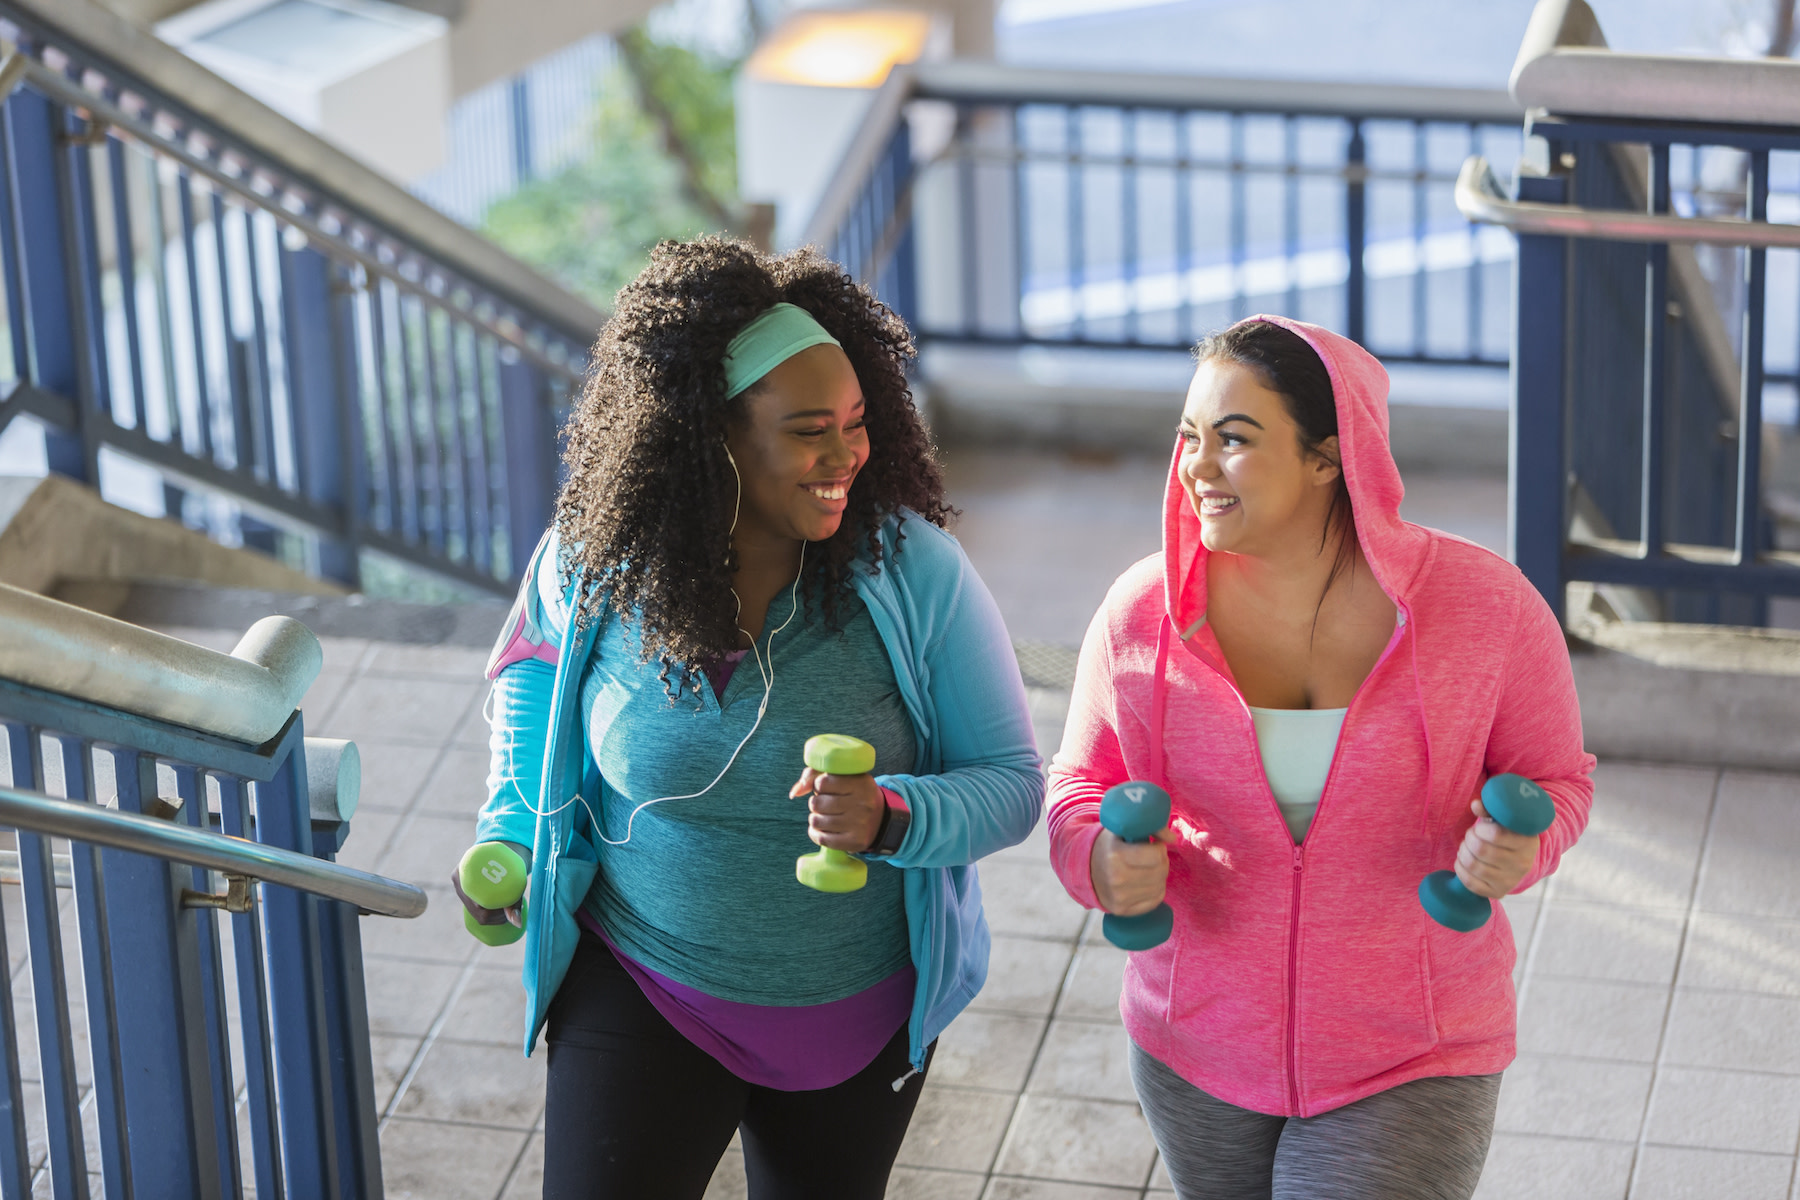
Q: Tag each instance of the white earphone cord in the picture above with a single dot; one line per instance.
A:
(767, 673)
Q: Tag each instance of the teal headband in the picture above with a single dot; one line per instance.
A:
(767, 342)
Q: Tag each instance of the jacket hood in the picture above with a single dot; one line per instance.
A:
(1395, 549)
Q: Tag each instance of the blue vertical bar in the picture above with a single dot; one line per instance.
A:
(469, 408)
(296, 987)
(1184, 225)
(1535, 471)
(530, 444)
(1077, 228)
(15, 1152)
(351, 1062)
(1021, 179)
(396, 418)
(263, 414)
(319, 330)
(1128, 170)
(75, 179)
(421, 392)
(49, 987)
(1421, 229)
(906, 253)
(237, 377)
(1475, 266)
(253, 1011)
(48, 295)
(1290, 215)
(127, 252)
(1749, 473)
(1239, 236)
(1356, 233)
(161, 1028)
(447, 407)
(12, 245)
(518, 105)
(203, 415)
(66, 774)
(966, 222)
(1656, 362)
(190, 787)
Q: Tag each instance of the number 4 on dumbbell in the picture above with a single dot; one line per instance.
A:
(1136, 812)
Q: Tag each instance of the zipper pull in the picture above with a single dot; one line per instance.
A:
(1296, 860)
(901, 1082)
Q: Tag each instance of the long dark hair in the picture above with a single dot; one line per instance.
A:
(1294, 370)
(646, 511)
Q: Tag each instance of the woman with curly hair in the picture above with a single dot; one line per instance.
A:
(748, 551)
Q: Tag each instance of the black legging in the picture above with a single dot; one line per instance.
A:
(635, 1111)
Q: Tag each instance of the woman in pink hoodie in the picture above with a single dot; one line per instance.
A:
(1322, 688)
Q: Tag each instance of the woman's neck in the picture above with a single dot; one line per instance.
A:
(1300, 572)
(766, 565)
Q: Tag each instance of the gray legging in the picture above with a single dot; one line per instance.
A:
(1424, 1140)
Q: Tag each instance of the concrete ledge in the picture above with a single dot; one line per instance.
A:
(54, 529)
(199, 606)
(1688, 693)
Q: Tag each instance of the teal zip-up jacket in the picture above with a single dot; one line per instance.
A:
(978, 784)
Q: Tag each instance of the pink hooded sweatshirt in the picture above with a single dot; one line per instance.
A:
(1303, 978)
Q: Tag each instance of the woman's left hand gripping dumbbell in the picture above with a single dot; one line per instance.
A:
(497, 873)
(844, 812)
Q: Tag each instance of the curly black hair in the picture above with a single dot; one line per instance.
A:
(645, 514)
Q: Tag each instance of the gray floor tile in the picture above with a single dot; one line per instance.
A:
(490, 1009)
(1159, 1177)
(987, 1050)
(1593, 941)
(391, 1055)
(1026, 898)
(956, 1128)
(1734, 1031)
(1084, 1060)
(456, 786)
(411, 710)
(461, 663)
(1672, 1173)
(1592, 1019)
(1524, 1167)
(429, 1160)
(406, 997)
(1725, 1110)
(427, 848)
(1038, 1189)
(1655, 801)
(1092, 990)
(1078, 1141)
(1741, 953)
(527, 1182)
(728, 1182)
(1571, 1097)
(436, 935)
(1755, 842)
(393, 772)
(913, 1183)
(370, 832)
(486, 1085)
(1635, 869)
(1023, 975)
(326, 690)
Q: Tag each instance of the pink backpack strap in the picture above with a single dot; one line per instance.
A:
(524, 635)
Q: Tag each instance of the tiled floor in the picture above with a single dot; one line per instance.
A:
(1659, 974)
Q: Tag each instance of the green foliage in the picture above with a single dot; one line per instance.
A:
(591, 224)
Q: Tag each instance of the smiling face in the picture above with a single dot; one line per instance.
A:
(1255, 490)
(798, 447)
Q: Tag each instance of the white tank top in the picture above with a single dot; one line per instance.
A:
(1297, 745)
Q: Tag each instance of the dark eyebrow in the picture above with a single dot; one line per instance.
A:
(1228, 418)
(820, 412)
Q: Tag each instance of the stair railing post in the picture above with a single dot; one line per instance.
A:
(1536, 474)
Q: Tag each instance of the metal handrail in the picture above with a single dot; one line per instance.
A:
(17, 68)
(1479, 198)
(230, 856)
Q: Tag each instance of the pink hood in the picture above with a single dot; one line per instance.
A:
(1302, 978)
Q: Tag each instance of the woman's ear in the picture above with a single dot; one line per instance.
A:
(1327, 465)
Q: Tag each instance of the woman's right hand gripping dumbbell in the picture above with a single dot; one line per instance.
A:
(1129, 865)
(493, 871)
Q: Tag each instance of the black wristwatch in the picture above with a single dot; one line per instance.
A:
(896, 818)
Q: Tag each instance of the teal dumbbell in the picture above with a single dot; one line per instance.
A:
(1515, 803)
(1136, 812)
(493, 875)
(828, 870)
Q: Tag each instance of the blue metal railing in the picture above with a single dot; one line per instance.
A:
(347, 370)
(164, 979)
(1079, 209)
(1639, 413)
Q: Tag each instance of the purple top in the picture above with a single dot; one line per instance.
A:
(720, 671)
(798, 1049)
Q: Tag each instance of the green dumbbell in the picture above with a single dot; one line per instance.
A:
(829, 870)
(493, 875)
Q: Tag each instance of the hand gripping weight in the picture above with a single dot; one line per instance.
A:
(1136, 812)
(493, 875)
(828, 870)
(1515, 803)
